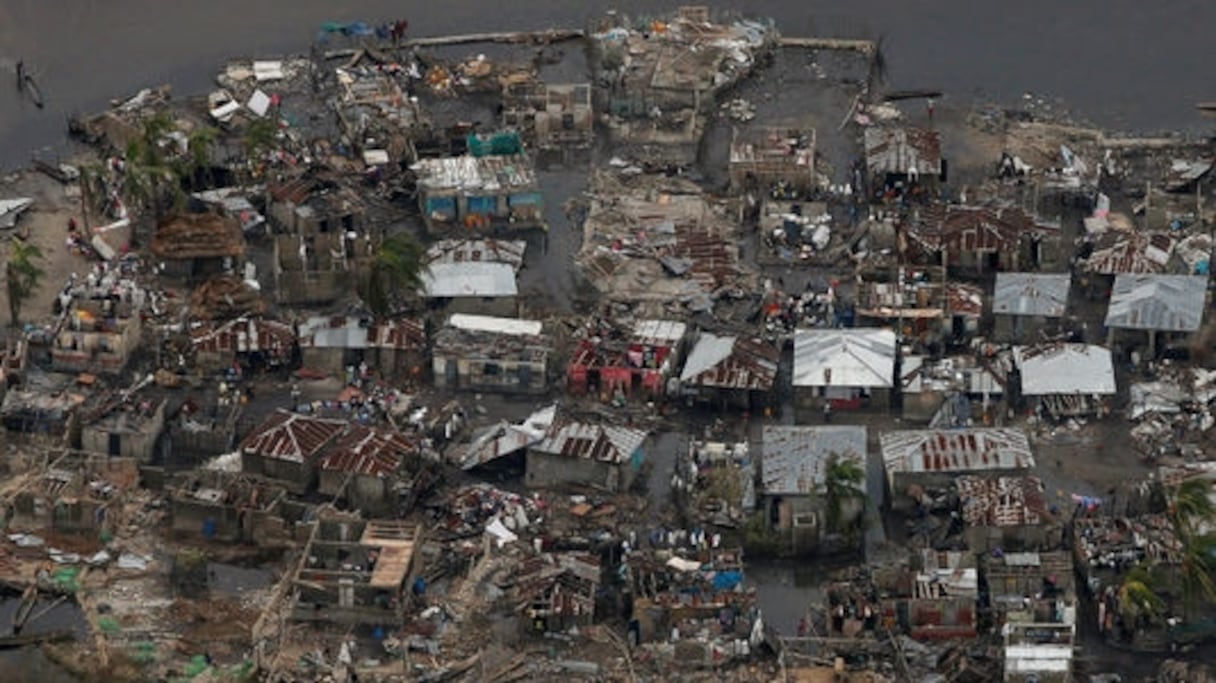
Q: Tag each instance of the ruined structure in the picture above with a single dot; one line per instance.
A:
(491, 354)
(730, 371)
(493, 189)
(594, 455)
(321, 235)
(287, 448)
(794, 464)
(632, 360)
(193, 247)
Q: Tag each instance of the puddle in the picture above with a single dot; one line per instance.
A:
(28, 663)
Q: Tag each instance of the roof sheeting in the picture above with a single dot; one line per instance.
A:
(504, 439)
(291, 436)
(658, 332)
(962, 450)
(470, 174)
(367, 451)
(340, 332)
(794, 459)
(468, 279)
(1044, 294)
(899, 150)
(857, 357)
(609, 444)
(730, 363)
(478, 251)
(1065, 369)
(489, 323)
(1171, 303)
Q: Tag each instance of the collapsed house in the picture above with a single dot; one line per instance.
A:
(942, 392)
(659, 81)
(224, 297)
(286, 448)
(773, 157)
(903, 155)
(367, 468)
(981, 239)
(1025, 306)
(356, 572)
(557, 591)
(917, 460)
(795, 466)
(1161, 307)
(1008, 512)
(397, 348)
(229, 507)
(377, 114)
(941, 602)
(199, 432)
(40, 411)
(1132, 253)
(1033, 595)
(849, 368)
(600, 456)
(728, 371)
(626, 360)
(492, 189)
(491, 354)
(194, 247)
(505, 439)
(98, 336)
(920, 302)
(1067, 380)
(718, 480)
(246, 342)
(321, 237)
(550, 115)
(122, 426)
(658, 241)
(77, 495)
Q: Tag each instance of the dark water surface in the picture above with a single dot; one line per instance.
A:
(1123, 63)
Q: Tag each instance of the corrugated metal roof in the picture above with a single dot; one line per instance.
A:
(897, 150)
(1001, 501)
(957, 450)
(476, 174)
(794, 459)
(337, 332)
(1044, 294)
(597, 442)
(1065, 369)
(488, 323)
(1172, 303)
(731, 363)
(854, 357)
(658, 332)
(1137, 252)
(291, 436)
(504, 439)
(372, 452)
(403, 333)
(472, 278)
(476, 251)
(243, 335)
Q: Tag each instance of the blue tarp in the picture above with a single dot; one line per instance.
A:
(724, 581)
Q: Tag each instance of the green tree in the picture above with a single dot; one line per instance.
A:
(1193, 515)
(1139, 603)
(1191, 508)
(150, 177)
(195, 165)
(22, 275)
(395, 273)
(842, 481)
(260, 136)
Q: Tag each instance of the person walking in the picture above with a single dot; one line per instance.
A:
(827, 411)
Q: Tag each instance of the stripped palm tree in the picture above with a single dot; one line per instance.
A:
(395, 273)
(842, 480)
(22, 275)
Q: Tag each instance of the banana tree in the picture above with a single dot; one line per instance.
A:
(22, 276)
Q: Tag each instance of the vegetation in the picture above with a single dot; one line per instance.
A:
(1139, 603)
(842, 482)
(149, 177)
(394, 274)
(22, 275)
(1193, 515)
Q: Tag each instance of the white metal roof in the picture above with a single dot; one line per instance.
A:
(1065, 369)
(669, 331)
(709, 350)
(1157, 302)
(327, 332)
(1044, 294)
(489, 323)
(476, 174)
(476, 278)
(955, 450)
(854, 357)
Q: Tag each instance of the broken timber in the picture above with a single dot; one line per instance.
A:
(8, 642)
(545, 37)
(868, 47)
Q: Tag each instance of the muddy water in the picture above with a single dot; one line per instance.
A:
(29, 664)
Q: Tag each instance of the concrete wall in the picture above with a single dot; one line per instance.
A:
(296, 477)
(370, 495)
(544, 469)
(190, 517)
(470, 374)
(502, 306)
(140, 446)
(808, 403)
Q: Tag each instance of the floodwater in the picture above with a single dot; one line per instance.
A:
(29, 664)
(1124, 63)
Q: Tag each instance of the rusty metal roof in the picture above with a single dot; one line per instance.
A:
(1137, 253)
(596, 442)
(243, 335)
(731, 363)
(1001, 501)
(401, 334)
(955, 450)
(373, 452)
(296, 191)
(291, 436)
(794, 459)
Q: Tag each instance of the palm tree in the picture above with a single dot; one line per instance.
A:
(1191, 507)
(22, 275)
(1193, 514)
(395, 270)
(1138, 599)
(1198, 570)
(196, 161)
(842, 480)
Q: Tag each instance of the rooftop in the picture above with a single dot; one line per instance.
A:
(1065, 369)
(476, 174)
(494, 325)
(334, 332)
(897, 150)
(1044, 294)
(291, 436)
(731, 363)
(597, 442)
(1001, 501)
(1172, 303)
(198, 235)
(373, 452)
(794, 459)
(853, 357)
(960, 450)
(469, 279)
(475, 251)
(242, 336)
(658, 332)
(1133, 253)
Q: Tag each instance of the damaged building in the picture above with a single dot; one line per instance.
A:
(397, 348)
(1029, 306)
(917, 460)
(773, 157)
(978, 240)
(194, 247)
(491, 191)
(601, 456)
(942, 392)
(718, 482)
(943, 595)
(321, 235)
(286, 448)
(121, 426)
(852, 368)
(75, 495)
(550, 115)
(98, 336)
(369, 469)
(730, 371)
(1066, 380)
(250, 343)
(896, 154)
(557, 591)
(1006, 512)
(356, 572)
(794, 472)
(1159, 308)
(626, 359)
(478, 288)
(228, 507)
(484, 353)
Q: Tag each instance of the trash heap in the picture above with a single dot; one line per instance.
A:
(1173, 411)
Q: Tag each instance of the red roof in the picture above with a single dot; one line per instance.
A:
(291, 436)
(402, 334)
(374, 452)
